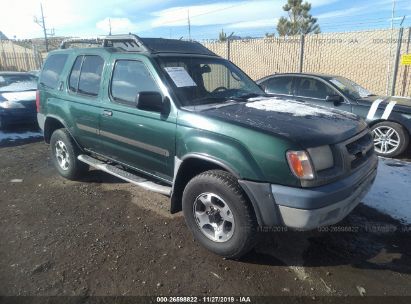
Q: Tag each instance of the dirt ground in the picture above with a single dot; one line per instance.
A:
(100, 236)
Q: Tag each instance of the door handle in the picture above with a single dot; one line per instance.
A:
(107, 113)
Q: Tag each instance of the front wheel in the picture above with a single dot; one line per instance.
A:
(390, 138)
(219, 215)
(64, 152)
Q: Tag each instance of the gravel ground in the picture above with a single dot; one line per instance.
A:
(100, 236)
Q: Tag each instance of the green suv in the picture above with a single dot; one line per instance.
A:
(173, 117)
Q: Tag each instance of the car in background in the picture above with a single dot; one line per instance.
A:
(17, 98)
(388, 117)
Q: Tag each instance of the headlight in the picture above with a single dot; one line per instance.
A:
(300, 164)
(322, 157)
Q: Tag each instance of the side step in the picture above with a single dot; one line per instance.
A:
(134, 179)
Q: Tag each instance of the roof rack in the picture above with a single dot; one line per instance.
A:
(129, 43)
(65, 43)
(133, 43)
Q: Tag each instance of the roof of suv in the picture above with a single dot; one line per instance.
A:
(133, 43)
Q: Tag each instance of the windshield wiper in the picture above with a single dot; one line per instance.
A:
(246, 96)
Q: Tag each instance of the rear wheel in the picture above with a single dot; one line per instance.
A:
(64, 152)
(390, 138)
(219, 215)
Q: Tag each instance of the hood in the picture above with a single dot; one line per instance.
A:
(307, 125)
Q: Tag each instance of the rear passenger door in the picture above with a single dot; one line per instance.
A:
(83, 93)
(315, 91)
(144, 140)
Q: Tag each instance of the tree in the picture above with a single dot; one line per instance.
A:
(222, 36)
(299, 20)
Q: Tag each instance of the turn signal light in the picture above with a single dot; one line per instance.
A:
(300, 164)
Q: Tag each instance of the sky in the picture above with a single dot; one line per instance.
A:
(168, 19)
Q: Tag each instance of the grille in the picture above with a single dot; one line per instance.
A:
(360, 150)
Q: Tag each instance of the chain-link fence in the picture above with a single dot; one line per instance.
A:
(14, 57)
(370, 58)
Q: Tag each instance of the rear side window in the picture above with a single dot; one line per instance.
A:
(52, 69)
(313, 88)
(74, 75)
(129, 78)
(278, 85)
(90, 75)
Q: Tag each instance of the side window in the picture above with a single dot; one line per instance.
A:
(74, 75)
(52, 69)
(278, 85)
(129, 78)
(90, 75)
(215, 76)
(313, 88)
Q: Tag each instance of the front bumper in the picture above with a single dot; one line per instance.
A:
(336, 201)
(310, 208)
(14, 117)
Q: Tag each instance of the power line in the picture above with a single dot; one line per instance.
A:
(205, 13)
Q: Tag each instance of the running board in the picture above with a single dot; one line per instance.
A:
(134, 179)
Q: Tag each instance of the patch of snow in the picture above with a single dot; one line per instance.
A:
(19, 96)
(292, 107)
(391, 192)
(19, 86)
(15, 136)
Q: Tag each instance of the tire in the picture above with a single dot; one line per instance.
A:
(64, 152)
(390, 138)
(232, 210)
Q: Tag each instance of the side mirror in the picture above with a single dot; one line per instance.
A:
(334, 98)
(150, 101)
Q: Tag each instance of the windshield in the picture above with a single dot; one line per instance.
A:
(203, 80)
(17, 83)
(350, 88)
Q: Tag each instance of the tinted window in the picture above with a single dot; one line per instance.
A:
(201, 80)
(74, 75)
(52, 69)
(278, 85)
(90, 75)
(130, 78)
(314, 88)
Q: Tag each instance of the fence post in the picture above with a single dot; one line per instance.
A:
(15, 56)
(302, 41)
(3, 56)
(26, 59)
(36, 61)
(404, 79)
(396, 61)
(228, 49)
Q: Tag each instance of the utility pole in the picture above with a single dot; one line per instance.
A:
(189, 24)
(390, 47)
(42, 23)
(109, 26)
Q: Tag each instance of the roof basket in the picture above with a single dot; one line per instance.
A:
(128, 43)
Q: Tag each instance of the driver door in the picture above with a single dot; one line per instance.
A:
(142, 139)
